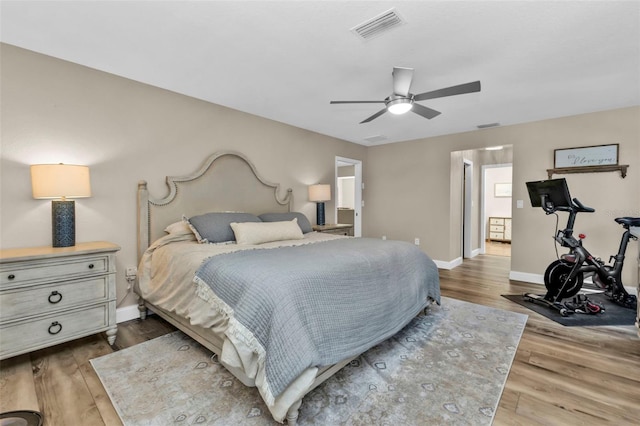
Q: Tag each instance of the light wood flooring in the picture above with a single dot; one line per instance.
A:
(560, 376)
(497, 248)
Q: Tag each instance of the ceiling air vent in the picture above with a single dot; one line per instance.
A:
(376, 138)
(379, 24)
(486, 126)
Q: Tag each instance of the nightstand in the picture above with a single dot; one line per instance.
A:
(335, 228)
(52, 295)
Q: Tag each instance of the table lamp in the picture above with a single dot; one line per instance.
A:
(319, 194)
(59, 182)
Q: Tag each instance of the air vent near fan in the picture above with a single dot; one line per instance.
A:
(488, 125)
(376, 138)
(379, 24)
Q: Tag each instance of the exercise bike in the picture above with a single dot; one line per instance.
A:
(564, 277)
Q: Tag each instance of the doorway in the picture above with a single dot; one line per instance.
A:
(496, 209)
(469, 216)
(348, 184)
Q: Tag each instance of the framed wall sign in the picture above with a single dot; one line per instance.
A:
(502, 190)
(587, 156)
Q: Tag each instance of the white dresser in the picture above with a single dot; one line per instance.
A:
(52, 295)
(500, 229)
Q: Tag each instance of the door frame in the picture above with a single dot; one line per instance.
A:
(467, 204)
(357, 219)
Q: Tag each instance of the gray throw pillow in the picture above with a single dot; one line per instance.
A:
(216, 228)
(303, 222)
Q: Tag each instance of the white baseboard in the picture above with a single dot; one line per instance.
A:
(539, 279)
(533, 278)
(441, 264)
(127, 313)
(475, 252)
(526, 277)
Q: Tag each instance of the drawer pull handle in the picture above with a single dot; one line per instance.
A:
(55, 328)
(55, 297)
(11, 277)
(91, 266)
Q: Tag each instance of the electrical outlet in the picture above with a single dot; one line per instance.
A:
(416, 241)
(384, 237)
(131, 271)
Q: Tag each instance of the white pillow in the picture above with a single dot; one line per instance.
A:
(248, 233)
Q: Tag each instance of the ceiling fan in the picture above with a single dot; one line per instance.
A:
(402, 101)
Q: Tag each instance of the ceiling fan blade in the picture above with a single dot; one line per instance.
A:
(374, 116)
(402, 78)
(356, 102)
(424, 111)
(449, 91)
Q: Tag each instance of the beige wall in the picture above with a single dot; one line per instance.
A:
(55, 111)
(410, 191)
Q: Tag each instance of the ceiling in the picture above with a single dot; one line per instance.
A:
(286, 60)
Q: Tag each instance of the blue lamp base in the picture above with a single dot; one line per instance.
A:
(320, 213)
(63, 223)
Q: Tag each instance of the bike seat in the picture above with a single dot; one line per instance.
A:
(628, 221)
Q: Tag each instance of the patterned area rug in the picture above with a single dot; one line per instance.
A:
(446, 367)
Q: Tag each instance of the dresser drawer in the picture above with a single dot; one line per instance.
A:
(496, 235)
(496, 228)
(50, 270)
(25, 302)
(52, 329)
(496, 221)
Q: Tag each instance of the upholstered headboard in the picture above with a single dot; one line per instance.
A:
(227, 181)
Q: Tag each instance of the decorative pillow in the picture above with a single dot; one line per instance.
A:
(303, 222)
(215, 227)
(178, 228)
(257, 233)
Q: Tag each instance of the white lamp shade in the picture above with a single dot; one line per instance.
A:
(60, 181)
(320, 193)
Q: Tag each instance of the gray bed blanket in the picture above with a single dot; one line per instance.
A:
(317, 304)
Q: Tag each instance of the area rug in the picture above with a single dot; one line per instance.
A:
(446, 367)
(613, 314)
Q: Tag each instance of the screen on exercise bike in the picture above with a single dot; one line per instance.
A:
(556, 190)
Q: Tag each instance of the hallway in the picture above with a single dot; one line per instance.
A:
(496, 248)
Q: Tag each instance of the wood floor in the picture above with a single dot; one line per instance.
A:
(497, 248)
(561, 375)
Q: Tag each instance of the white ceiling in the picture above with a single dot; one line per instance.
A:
(286, 60)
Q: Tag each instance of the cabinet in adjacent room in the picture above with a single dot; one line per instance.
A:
(500, 229)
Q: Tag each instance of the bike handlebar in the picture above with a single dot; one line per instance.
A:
(582, 208)
(575, 207)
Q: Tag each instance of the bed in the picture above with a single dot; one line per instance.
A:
(223, 259)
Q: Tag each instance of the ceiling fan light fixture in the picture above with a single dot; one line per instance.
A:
(399, 106)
